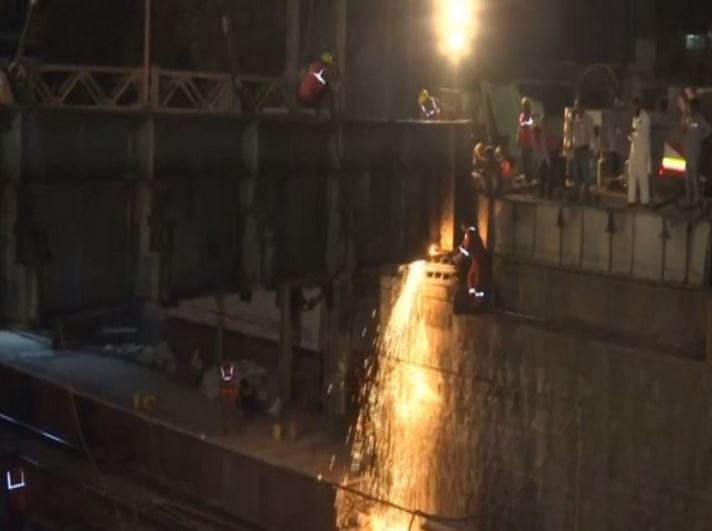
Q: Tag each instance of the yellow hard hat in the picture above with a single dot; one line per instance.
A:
(423, 97)
(479, 151)
(526, 102)
(327, 58)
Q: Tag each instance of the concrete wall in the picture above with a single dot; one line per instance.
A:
(557, 430)
(672, 319)
(640, 277)
(156, 206)
(636, 456)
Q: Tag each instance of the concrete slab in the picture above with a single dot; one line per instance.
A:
(504, 227)
(547, 239)
(676, 250)
(648, 246)
(113, 380)
(524, 228)
(622, 243)
(571, 236)
(698, 267)
(596, 240)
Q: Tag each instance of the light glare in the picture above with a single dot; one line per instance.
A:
(455, 26)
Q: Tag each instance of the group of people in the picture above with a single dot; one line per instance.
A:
(643, 150)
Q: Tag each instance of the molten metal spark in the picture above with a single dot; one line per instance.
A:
(395, 435)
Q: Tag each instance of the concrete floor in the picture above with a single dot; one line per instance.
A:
(94, 374)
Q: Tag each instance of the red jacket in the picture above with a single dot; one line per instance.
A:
(314, 83)
(525, 135)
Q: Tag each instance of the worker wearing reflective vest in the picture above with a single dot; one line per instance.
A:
(16, 498)
(430, 107)
(229, 388)
(473, 250)
(315, 84)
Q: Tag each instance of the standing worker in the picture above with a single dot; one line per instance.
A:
(473, 249)
(16, 497)
(582, 138)
(228, 396)
(639, 163)
(317, 84)
(695, 130)
(525, 139)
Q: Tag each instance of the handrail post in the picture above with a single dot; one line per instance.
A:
(155, 94)
(146, 51)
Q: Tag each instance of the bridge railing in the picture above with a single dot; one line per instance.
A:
(117, 88)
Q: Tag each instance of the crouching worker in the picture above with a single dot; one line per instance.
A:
(473, 262)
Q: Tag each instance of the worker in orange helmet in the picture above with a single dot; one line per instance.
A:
(472, 250)
(229, 389)
(318, 83)
(16, 506)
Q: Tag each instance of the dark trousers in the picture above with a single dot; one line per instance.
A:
(583, 157)
(527, 162)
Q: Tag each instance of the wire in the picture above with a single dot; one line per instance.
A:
(19, 54)
(90, 455)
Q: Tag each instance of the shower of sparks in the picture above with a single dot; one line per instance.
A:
(395, 438)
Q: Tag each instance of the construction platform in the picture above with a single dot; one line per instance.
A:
(281, 484)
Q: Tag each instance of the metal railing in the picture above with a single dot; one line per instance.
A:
(118, 88)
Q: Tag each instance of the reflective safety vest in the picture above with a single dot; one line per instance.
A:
(16, 487)
(314, 83)
(15, 479)
(228, 385)
(431, 109)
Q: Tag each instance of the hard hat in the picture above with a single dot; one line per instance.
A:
(423, 97)
(526, 102)
(327, 58)
(479, 151)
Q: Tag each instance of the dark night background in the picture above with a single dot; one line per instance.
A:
(187, 33)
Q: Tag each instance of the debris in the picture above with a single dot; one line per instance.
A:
(145, 356)
(164, 359)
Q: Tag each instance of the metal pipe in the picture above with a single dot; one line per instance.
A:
(146, 50)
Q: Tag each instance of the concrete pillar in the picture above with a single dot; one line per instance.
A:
(292, 67)
(147, 284)
(708, 339)
(286, 352)
(341, 9)
(18, 284)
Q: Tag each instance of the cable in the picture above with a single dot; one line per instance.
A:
(23, 36)
(90, 456)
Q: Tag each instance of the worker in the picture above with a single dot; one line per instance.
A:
(541, 155)
(695, 130)
(580, 132)
(16, 496)
(639, 163)
(525, 139)
(430, 107)
(318, 83)
(229, 388)
(473, 251)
